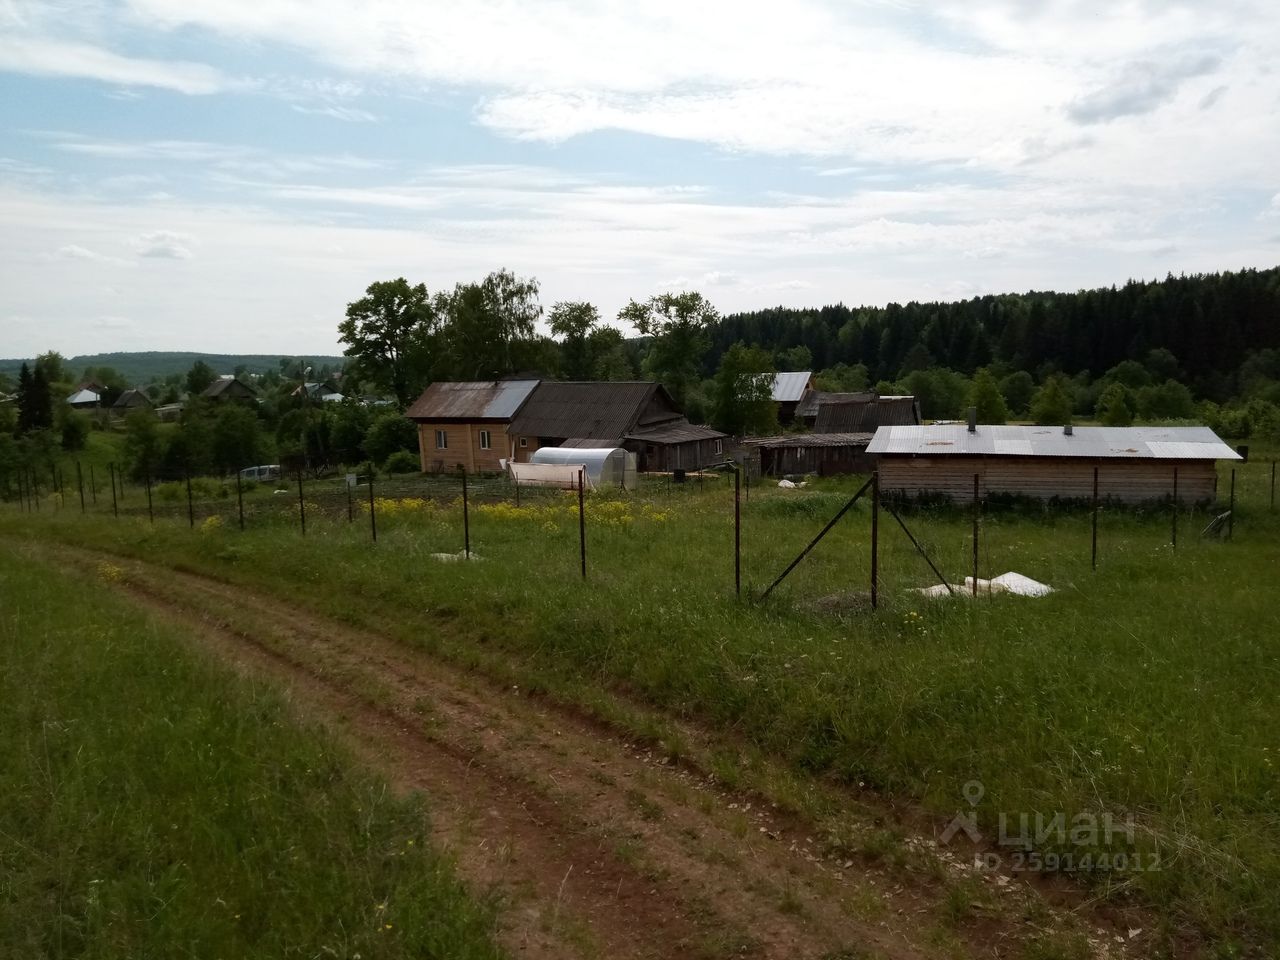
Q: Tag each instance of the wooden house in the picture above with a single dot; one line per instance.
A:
(1134, 464)
(131, 400)
(230, 390)
(464, 424)
(638, 416)
(789, 391)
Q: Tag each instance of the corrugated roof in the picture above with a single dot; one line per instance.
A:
(606, 411)
(866, 416)
(789, 440)
(471, 400)
(789, 387)
(83, 396)
(680, 431)
(1144, 443)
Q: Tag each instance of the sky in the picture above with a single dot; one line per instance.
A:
(226, 175)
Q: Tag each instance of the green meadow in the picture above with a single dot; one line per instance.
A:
(1144, 691)
(155, 805)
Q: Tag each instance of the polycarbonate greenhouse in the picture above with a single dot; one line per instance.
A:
(605, 466)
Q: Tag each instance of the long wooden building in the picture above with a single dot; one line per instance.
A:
(1134, 464)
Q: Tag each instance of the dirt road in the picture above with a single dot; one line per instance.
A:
(595, 846)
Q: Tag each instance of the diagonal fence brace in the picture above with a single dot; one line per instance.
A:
(919, 549)
(814, 542)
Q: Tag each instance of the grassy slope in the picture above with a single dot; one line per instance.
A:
(1148, 687)
(156, 806)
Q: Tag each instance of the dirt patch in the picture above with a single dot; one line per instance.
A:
(596, 846)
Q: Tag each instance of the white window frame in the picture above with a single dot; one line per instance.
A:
(442, 439)
(486, 440)
(719, 447)
(524, 441)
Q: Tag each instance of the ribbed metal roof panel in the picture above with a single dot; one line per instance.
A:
(1145, 443)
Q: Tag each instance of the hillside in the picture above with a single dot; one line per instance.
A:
(143, 367)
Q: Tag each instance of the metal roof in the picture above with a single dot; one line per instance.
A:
(1143, 443)
(789, 387)
(471, 400)
(603, 410)
(83, 396)
(866, 416)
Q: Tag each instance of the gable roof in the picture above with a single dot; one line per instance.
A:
(231, 386)
(866, 416)
(816, 398)
(471, 400)
(790, 387)
(132, 398)
(84, 396)
(1140, 443)
(604, 410)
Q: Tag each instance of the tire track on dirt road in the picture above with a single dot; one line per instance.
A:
(594, 846)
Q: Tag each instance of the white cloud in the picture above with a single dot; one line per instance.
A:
(164, 245)
(73, 251)
(59, 58)
(338, 112)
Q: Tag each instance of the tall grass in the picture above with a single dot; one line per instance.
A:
(1145, 689)
(155, 806)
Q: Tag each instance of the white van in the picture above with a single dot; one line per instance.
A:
(270, 471)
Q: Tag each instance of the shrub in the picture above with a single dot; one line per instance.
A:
(402, 461)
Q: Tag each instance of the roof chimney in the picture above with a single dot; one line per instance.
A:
(973, 419)
(1066, 429)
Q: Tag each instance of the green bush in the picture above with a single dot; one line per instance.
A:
(402, 461)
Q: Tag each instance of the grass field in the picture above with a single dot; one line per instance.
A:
(1144, 690)
(157, 806)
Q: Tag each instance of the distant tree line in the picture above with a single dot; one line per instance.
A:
(1203, 346)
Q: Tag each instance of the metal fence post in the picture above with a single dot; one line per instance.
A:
(1174, 534)
(466, 518)
(151, 515)
(737, 531)
(875, 538)
(240, 500)
(373, 513)
(80, 484)
(582, 525)
(191, 509)
(1273, 485)
(975, 534)
(302, 506)
(1094, 560)
(351, 513)
(115, 507)
(1231, 517)
(33, 486)
(93, 485)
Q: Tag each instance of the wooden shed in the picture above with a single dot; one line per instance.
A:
(1135, 464)
(821, 453)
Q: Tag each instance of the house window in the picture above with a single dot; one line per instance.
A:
(442, 440)
(719, 448)
(484, 440)
(524, 441)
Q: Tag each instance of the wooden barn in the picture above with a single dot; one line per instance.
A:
(1134, 464)
(844, 426)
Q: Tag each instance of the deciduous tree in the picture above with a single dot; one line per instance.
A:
(390, 334)
(743, 392)
(679, 325)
